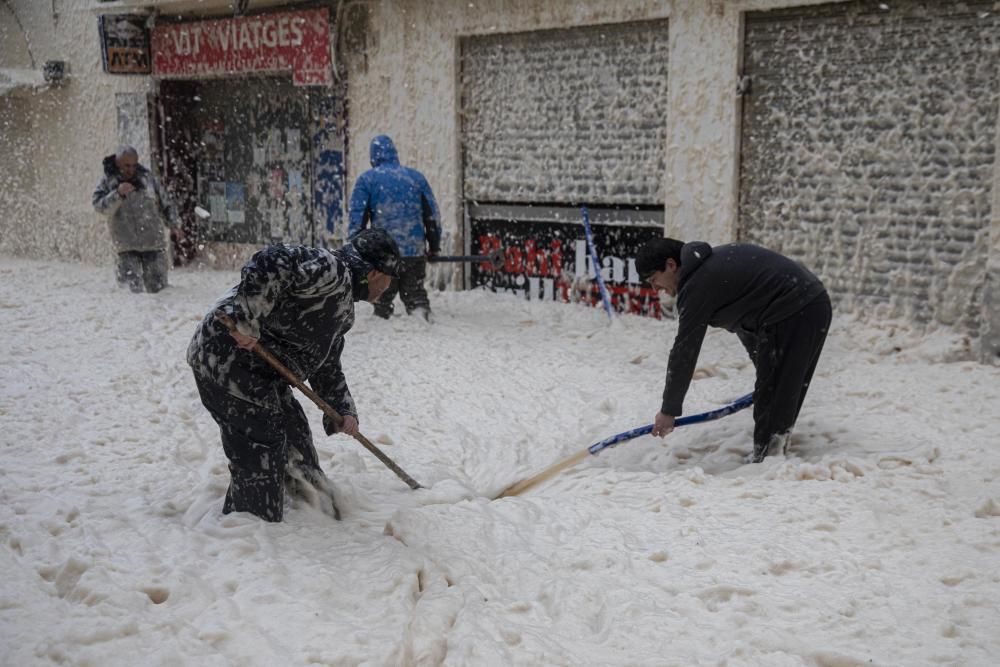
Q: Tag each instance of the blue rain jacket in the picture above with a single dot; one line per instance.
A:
(398, 199)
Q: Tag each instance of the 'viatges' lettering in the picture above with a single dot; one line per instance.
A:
(244, 35)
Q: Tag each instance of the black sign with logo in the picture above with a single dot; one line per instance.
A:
(124, 44)
(546, 255)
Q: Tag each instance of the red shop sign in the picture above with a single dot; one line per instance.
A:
(296, 41)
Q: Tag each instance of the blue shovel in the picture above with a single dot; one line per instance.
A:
(737, 405)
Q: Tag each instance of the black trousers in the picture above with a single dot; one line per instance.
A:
(785, 356)
(257, 431)
(409, 286)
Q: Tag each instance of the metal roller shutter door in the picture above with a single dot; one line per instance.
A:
(564, 116)
(868, 149)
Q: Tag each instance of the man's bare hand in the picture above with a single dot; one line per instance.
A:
(125, 188)
(349, 426)
(242, 340)
(662, 424)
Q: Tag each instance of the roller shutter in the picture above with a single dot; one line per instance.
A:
(868, 147)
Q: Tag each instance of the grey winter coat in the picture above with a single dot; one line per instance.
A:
(299, 303)
(137, 220)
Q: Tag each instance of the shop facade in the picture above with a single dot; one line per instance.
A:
(250, 128)
(859, 137)
(242, 117)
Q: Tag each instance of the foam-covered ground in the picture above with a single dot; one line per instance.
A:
(876, 541)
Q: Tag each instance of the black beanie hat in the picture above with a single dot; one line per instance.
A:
(654, 255)
(378, 249)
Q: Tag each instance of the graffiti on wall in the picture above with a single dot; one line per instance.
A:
(328, 168)
(549, 261)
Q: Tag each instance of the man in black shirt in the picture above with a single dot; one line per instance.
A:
(779, 310)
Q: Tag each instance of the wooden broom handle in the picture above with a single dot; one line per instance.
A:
(337, 418)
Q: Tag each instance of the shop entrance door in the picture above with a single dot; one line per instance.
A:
(262, 157)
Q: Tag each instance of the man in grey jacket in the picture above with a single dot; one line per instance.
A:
(777, 308)
(137, 209)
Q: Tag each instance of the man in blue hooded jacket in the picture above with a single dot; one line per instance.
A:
(399, 200)
(778, 309)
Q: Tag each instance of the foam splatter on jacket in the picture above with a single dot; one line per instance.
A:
(398, 199)
(299, 303)
(136, 221)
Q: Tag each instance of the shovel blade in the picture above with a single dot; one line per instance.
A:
(548, 473)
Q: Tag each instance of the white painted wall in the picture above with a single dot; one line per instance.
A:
(15, 51)
(702, 143)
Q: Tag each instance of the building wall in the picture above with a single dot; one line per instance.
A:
(403, 78)
(402, 73)
(15, 51)
(401, 58)
(59, 136)
(409, 63)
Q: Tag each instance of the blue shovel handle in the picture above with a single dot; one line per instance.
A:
(735, 406)
(597, 264)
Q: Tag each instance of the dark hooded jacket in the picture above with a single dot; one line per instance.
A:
(136, 221)
(299, 303)
(398, 199)
(739, 287)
